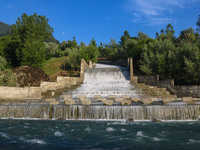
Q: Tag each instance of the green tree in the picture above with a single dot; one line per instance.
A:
(28, 35)
(124, 38)
(7, 77)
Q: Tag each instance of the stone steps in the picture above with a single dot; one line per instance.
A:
(154, 91)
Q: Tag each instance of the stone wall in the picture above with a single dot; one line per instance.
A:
(179, 90)
(187, 90)
(24, 93)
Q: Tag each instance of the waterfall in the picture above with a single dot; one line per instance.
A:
(168, 112)
(105, 80)
(183, 112)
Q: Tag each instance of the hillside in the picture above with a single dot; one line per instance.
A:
(5, 29)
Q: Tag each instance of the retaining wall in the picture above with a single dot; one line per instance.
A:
(24, 93)
(179, 90)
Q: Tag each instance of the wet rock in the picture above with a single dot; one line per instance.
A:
(108, 102)
(86, 102)
(70, 102)
(130, 120)
(126, 102)
(156, 120)
(61, 119)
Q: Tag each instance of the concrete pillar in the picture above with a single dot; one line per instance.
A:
(128, 60)
(131, 69)
(82, 70)
(90, 64)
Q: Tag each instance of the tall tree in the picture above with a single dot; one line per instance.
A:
(29, 34)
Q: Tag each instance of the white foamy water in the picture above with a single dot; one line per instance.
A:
(58, 133)
(109, 129)
(140, 133)
(123, 130)
(105, 80)
(88, 129)
(36, 141)
(156, 139)
(4, 135)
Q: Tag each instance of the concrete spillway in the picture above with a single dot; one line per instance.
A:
(105, 80)
(182, 112)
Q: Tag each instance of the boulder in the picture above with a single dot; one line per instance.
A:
(167, 100)
(108, 102)
(66, 97)
(126, 102)
(97, 96)
(54, 102)
(186, 99)
(135, 99)
(112, 96)
(130, 120)
(86, 102)
(118, 99)
(101, 99)
(50, 99)
(61, 119)
(125, 96)
(156, 120)
(69, 102)
(147, 101)
(81, 97)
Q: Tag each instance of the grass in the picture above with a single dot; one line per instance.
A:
(53, 65)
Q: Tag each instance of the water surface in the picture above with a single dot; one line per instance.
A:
(54, 134)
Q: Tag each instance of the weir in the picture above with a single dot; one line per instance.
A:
(182, 112)
(102, 80)
(105, 80)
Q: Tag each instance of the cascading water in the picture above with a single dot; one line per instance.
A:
(105, 80)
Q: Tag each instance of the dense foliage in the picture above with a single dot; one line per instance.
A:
(5, 29)
(7, 77)
(166, 55)
(31, 42)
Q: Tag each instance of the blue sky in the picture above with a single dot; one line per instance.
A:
(105, 19)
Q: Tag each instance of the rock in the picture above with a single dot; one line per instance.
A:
(54, 102)
(101, 99)
(112, 96)
(135, 99)
(66, 97)
(118, 99)
(61, 119)
(147, 101)
(69, 102)
(81, 97)
(97, 96)
(186, 99)
(125, 96)
(156, 120)
(126, 102)
(86, 102)
(108, 102)
(130, 120)
(167, 100)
